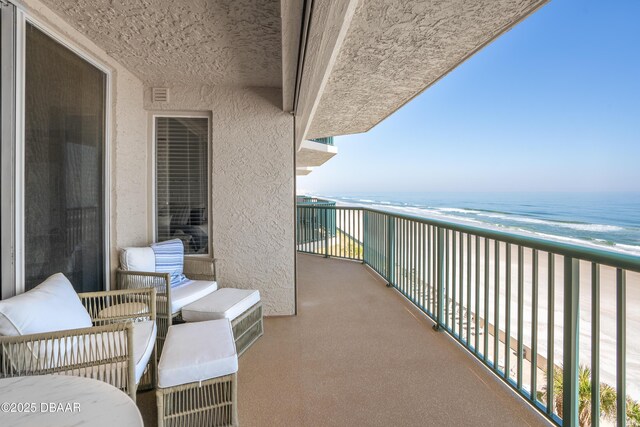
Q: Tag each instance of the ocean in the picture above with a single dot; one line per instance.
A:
(606, 220)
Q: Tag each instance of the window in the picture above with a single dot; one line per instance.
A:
(182, 202)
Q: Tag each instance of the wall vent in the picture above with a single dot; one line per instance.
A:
(160, 94)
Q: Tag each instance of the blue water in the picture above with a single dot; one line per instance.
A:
(608, 220)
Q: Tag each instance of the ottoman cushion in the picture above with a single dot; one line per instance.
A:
(224, 303)
(196, 352)
(190, 291)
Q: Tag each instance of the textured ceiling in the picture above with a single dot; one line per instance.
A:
(221, 42)
(394, 49)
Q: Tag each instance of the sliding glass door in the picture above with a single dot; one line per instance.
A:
(59, 165)
(64, 156)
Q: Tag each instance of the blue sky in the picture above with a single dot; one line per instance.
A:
(552, 105)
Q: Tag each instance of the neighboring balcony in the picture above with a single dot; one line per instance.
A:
(314, 153)
(326, 141)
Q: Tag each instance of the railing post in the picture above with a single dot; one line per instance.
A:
(390, 245)
(570, 342)
(440, 271)
(621, 347)
(364, 236)
(326, 232)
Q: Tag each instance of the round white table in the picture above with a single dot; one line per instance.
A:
(62, 400)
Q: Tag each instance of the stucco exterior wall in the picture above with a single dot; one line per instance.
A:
(128, 143)
(252, 172)
(252, 181)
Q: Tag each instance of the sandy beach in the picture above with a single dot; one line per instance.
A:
(607, 313)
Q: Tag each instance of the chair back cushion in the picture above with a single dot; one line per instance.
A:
(51, 306)
(170, 259)
(138, 259)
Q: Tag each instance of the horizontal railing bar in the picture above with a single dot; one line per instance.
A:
(313, 204)
(584, 253)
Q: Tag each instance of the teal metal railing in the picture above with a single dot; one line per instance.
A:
(314, 227)
(327, 141)
(512, 301)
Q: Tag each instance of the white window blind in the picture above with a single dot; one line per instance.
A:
(182, 208)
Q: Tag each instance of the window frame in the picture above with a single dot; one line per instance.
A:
(23, 19)
(153, 208)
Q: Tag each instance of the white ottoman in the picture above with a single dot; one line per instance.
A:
(197, 375)
(241, 306)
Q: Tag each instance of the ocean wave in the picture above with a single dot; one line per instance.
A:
(578, 226)
(459, 210)
(431, 213)
(571, 240)
(413, 209)
(596, 243)
(578, 233)
(598, 228)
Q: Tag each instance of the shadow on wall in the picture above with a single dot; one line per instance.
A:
(270, 94)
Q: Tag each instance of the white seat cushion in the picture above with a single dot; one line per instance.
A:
(128, 309)
(190, 291)
(226, 303)
(144, 339)
(195, 352)
(138, 259)
(93, 349)
(53, 305)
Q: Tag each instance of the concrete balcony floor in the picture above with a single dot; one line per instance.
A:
(359, 354)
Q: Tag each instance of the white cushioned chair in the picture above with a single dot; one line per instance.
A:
(138, 270)
(53, 330)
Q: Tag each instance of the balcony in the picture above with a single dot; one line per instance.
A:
(304, 200)
(326, 141)
(514, 302)
(358, 353)
(268, 78)
(314, 153)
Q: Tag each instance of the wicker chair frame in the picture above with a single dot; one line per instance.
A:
(195, 268)
(103, 351)
(211, 402)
